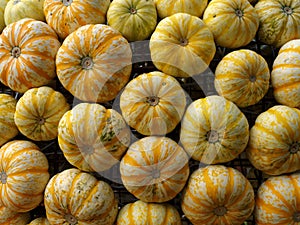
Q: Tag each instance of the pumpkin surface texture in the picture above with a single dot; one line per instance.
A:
(40, 221)
(2, 8)
(10, 217)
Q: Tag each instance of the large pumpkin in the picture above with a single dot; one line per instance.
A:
(75, 197)
(275, 141)
(243, 77)
(94, 63)
(27, 54)
(38, 112)
(279, 21)
(182, 45)
(285, 75)
(234, 23)
(154, 169)
(153, 103)
(218, 195)
(214, 130)
(23, 175)
(10, 217)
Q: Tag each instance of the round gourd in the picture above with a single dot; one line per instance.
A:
(243, 77)
(66, 16)
(8, 128)
(75, 197)
(27, 54)
(154, 169)
(94, 63)
(92, 137)
(10, 217)
(214, 130)
(23, 175)
(3, 4)
(182, 45)
(134, 19)
(38, 112)
(277, 200)
(16, 10)
(153, 103)
(40, 221)
(143, 213)
(234, 23)
(275, 141)
(285, 74)
(217, 194)
(279, 21)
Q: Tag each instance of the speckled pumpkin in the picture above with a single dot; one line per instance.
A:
(10, 217)
(40, 221)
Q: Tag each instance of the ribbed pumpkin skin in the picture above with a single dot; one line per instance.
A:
(154, 169)
(94, 63)
(142, 213)
(8, 128)
(38, 112)
(40, 221)
(188, 45)
(218, 195)
(274, 141)
(3, 4)
(279, 21)
(9, 217)
(75, 197)
(134, 19)
(24, 175)
(243, 77)
(27, 54)
(285, 75)
(153, 103)
(92, 137)
(65, 16)
(277, 201)
(214, 130)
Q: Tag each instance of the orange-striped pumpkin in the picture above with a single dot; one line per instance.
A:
(10, 217)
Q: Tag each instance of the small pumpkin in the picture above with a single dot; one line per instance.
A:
(40, 221)
(10, 217)
(76, 197)
(217, 194)
(3, 4)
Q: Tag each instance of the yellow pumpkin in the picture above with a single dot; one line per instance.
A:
(243, 77)
(182, 45)
(10, 217)
(234, 23)
(75, 197)
(94, 63)
(40, 221)
(3, 4)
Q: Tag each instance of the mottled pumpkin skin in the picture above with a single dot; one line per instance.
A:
(23, 175)
(154, 169)
(218, 195)
(214, 130)
(10, 217)
(27, 54)
(76, 197)
(94, 63)
(275, 141)
(3, 4)
(40, 221)
(143, 213)
(277, 200)
(243, 77)
(188, 45)
(285, 75)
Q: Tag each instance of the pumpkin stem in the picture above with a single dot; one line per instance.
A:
(16, 2)
(87, 63)
(133, 10)
(155, 173)
(212, 136)
(152, 100)
(71, 219)
(296, 217)
(239, 13)
(3, 177)
(67, 2)
(288, 10)
(41, 121)
(184, 42)
(220, 211)
(252, 78)
(294, 148)
(16, 52)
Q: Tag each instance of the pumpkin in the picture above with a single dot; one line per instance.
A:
(3, 4)
(277, 200)
(154, 169)
(143, 213)
(285, 74)
(23, 175)
(167, 8)
(153, 103)
(9, 217)
(182, 45)
(27, 54)
(134, 19)
(243, 77)
(279, 21)
(76, 197)
(38, 112)
(214, 130)
(66, 16)
(16, 10)
(92, 137)
(217, 194)
(94, 63)
(8, 127)
(275, 141)
(40, 221)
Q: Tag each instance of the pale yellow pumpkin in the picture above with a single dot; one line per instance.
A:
(2, 8)
(10, 217)
(40, 221)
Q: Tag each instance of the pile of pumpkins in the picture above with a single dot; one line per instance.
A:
(85, 47)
